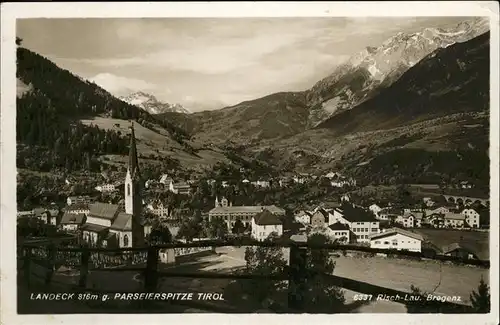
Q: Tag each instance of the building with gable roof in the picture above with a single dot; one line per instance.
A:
(264, 224)
(229, 213)
(397, 238)
(119, 225)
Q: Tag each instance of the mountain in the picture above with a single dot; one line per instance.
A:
(431, 124)
(150, 104)
(270, 117)
(449, 80)
(376, 68)
(362, 77)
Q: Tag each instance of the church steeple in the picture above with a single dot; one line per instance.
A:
(133, 193)
(133, 162)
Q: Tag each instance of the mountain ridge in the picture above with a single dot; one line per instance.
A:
(151, 104)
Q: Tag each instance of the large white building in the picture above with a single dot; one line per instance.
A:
(471, 217)
(105, 188)
(396, 238)
(230, 213)
(266, 223)
(362, 223)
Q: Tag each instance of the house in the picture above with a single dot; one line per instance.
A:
(71, 221)
(428, 202)
(165, 179)
(48, 216)
(78, 208)
(389, 214)
(342, 181)
(410, 219)
(180, 188)
(361, 222)
(106, 188)
(304, 217)
(454, 220)
(332, 175)
(158, 209)
(225, 184)
(465, 184)
(320, 218)
(245, 181)
(83, 199)
(439, 210)
(458, 250)
(396, 238)
(340, 232)
(436, 220)
(264, 224)
(471, 217)
(261, 183)
(231, 213)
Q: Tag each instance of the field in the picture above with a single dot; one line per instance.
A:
(477, 241)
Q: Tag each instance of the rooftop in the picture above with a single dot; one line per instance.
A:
(338, 226)
(266, 217)
(122, 222)
(400, 231)
(69, 218)
(93, 227)
(103, 210)
(247, 209)
(354, 214)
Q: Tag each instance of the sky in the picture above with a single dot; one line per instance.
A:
(209, 63)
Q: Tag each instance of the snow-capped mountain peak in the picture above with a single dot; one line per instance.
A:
(374, 68)
(151, 104)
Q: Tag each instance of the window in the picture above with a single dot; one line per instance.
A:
(366, 229)
(377, 242)
(128, 189)
(395, 242)
(386, 243)
(125, 240)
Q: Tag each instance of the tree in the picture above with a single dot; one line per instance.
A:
(238, 227)
(216, 228)
(160, 235)
(263, 261)
(321, 297)
(481, 299)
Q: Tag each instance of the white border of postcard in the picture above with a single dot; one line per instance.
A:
(12, 11)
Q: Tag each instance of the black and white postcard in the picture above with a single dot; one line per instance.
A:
(327, 162)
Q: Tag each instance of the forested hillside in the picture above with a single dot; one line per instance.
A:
(49, 133)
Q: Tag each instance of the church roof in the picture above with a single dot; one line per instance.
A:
(122, 222)
(103, 210)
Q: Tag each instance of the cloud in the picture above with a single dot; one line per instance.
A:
(121, 86)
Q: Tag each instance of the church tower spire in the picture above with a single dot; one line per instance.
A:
(133, 193)
(133, 162)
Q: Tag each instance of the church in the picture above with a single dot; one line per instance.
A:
(119, 225)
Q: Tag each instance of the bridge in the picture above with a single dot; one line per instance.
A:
(466, 200)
